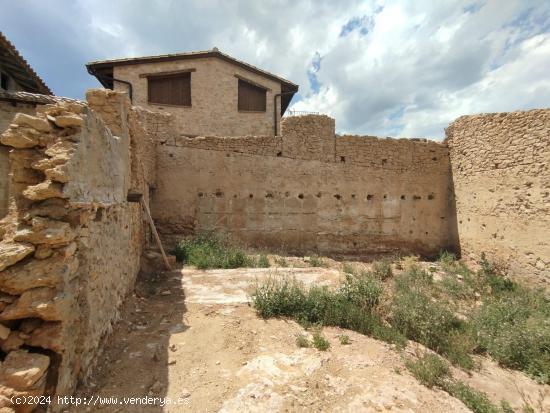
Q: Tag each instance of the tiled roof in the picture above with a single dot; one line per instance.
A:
(20, 69)
(189, 55)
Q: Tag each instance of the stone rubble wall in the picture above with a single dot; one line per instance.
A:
(71, 244)
(501, 174)
(7, 111)
(308, 190)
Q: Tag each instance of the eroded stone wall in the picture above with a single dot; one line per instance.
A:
(71, 245)
(308, 190)
(7, 112)
(501, 174)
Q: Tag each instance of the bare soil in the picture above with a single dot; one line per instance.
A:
(193, 337)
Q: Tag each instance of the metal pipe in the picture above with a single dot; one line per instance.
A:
(130, 87)
(275, 108)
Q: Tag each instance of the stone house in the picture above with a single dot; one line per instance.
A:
(209, 93)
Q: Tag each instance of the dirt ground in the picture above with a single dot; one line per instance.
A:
(192, 338)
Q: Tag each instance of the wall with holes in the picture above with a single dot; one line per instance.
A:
(501, 174)
(308, 190)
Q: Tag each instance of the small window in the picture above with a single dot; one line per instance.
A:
(251, 97)
(4, 81)
(170, 89)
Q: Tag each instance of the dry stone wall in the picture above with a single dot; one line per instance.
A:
(7, 111)
(308, 190)
(501, 174)
(71, 245)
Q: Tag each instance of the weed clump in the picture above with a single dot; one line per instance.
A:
(432, 371)
(320, 342)
(211, 251)
(302, 341)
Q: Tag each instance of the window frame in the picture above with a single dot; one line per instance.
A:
(151, 77)
(254, 85)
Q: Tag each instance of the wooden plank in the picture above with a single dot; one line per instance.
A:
(155, 233)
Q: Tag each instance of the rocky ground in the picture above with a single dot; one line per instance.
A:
(192, 336)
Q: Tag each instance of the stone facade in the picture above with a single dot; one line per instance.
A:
(501, 175)
(308, 191)
(214, 89)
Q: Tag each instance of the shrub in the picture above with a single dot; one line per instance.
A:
(344, 339)
(514, 328)
(262, 261)
(382, 269)
(475, 400)
(316, 261)
(430, 370)
(418, 317)
(210, 251)
(320, 342)
(351, 306)
(302, 341)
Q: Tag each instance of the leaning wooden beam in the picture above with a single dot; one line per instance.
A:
(136, 197)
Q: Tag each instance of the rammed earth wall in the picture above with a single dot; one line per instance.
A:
(308, 190)
(501, 174)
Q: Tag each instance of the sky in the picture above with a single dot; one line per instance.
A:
(399, 68)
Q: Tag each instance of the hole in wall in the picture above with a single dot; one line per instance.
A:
(495, 165)
(318, 195)
(431, 196)
(219, 194)
(269, 195)
(369, 197)
(410, 231)
(98, 215)
(301, 196)
(227, 155)
(287, 194)
(402, 196)
(384, 161)
(354, 244)
(426, 232)
(434, 158)
(342, 159)
(279, 154)
(353, 196)
(338, 196)
(251, 195)
(235, 196)
(385, 196)
(171, 155)
(417, 197)
(200, 194)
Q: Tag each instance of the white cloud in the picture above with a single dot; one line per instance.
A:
(386, 67)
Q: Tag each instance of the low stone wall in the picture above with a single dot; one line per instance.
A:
(501, 174)
(308, 190)
(71, 244)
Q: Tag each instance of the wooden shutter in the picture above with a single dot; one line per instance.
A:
(251, 97)
(170, 89)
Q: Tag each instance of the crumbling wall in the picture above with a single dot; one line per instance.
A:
(71, 245)
(501, 173)
(308, 191)
(7, 112)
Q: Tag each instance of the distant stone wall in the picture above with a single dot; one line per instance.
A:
(501, 174)
(71, 245)
(308, 190)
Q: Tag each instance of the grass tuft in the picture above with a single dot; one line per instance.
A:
(302, 341)
(320, 342)
(344, 339)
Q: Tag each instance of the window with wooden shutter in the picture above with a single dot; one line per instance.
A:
(252, 98)
(170, 89)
